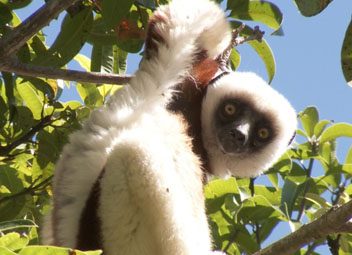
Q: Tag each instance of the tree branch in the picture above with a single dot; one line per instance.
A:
(13, 41)
(345, 228)
(331, 222)
(15, 66)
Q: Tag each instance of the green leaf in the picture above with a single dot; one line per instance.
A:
(348, 159)
(90, 95)
(267, 227)
(218, 188)
(99, 35)
(15, 20)
(114, 10)
(283, 165)
(346, 55)
(9, 93)
(290, 192)
(320, 127)
(13, 241)
(14, 224)
(5, 251)
(38, 45)
(309, 118)
(216, 192)
(274, 179)
(260, 11)
(259, 209)
(345, 242)
(335, 131)
(109, 59)
(46, 86)
(24, 54)
(347, 169)
(72, 36)
(235, 59)
(120, 60)
(272, 195)
(247, 242)
(83, 61)
(263, 50)
(31, 98)
(310, 8)
(10, 208)
(301, 133)
(107, 89)
(22, 121)
(328, 152)
(318, 200)
(49, 147)
(51, 250)
(97, 55)
(17, 4)
(5, 14)
(93, 252)
(9, 178)
(347, 166)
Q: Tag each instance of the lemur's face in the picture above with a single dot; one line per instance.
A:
(246, 124)
(241, 129)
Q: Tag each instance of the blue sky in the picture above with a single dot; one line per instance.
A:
(307, 58)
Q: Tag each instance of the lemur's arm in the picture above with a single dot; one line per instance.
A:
(179, 35)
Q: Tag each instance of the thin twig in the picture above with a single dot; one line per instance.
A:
(327, 224)
(231, 240)
(14, 40)
(223, 59)
(256, 36)
(4, 150)
(32, 188)
(333, 244)
(64, 74)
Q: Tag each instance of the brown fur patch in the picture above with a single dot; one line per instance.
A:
(89, 233)
(204, 70)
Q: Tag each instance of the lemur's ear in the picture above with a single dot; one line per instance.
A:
(204, 70)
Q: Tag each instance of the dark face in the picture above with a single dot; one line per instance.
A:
(240, 129)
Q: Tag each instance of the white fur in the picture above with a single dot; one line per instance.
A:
(152, 192)
(267, 101)
(122, 125)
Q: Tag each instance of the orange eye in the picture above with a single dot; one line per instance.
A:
(263, 133)
(230, 109)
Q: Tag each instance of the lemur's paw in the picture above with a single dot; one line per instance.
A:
(216, 35)
(196, 21)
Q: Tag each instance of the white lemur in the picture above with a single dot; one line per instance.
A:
(131, 181)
